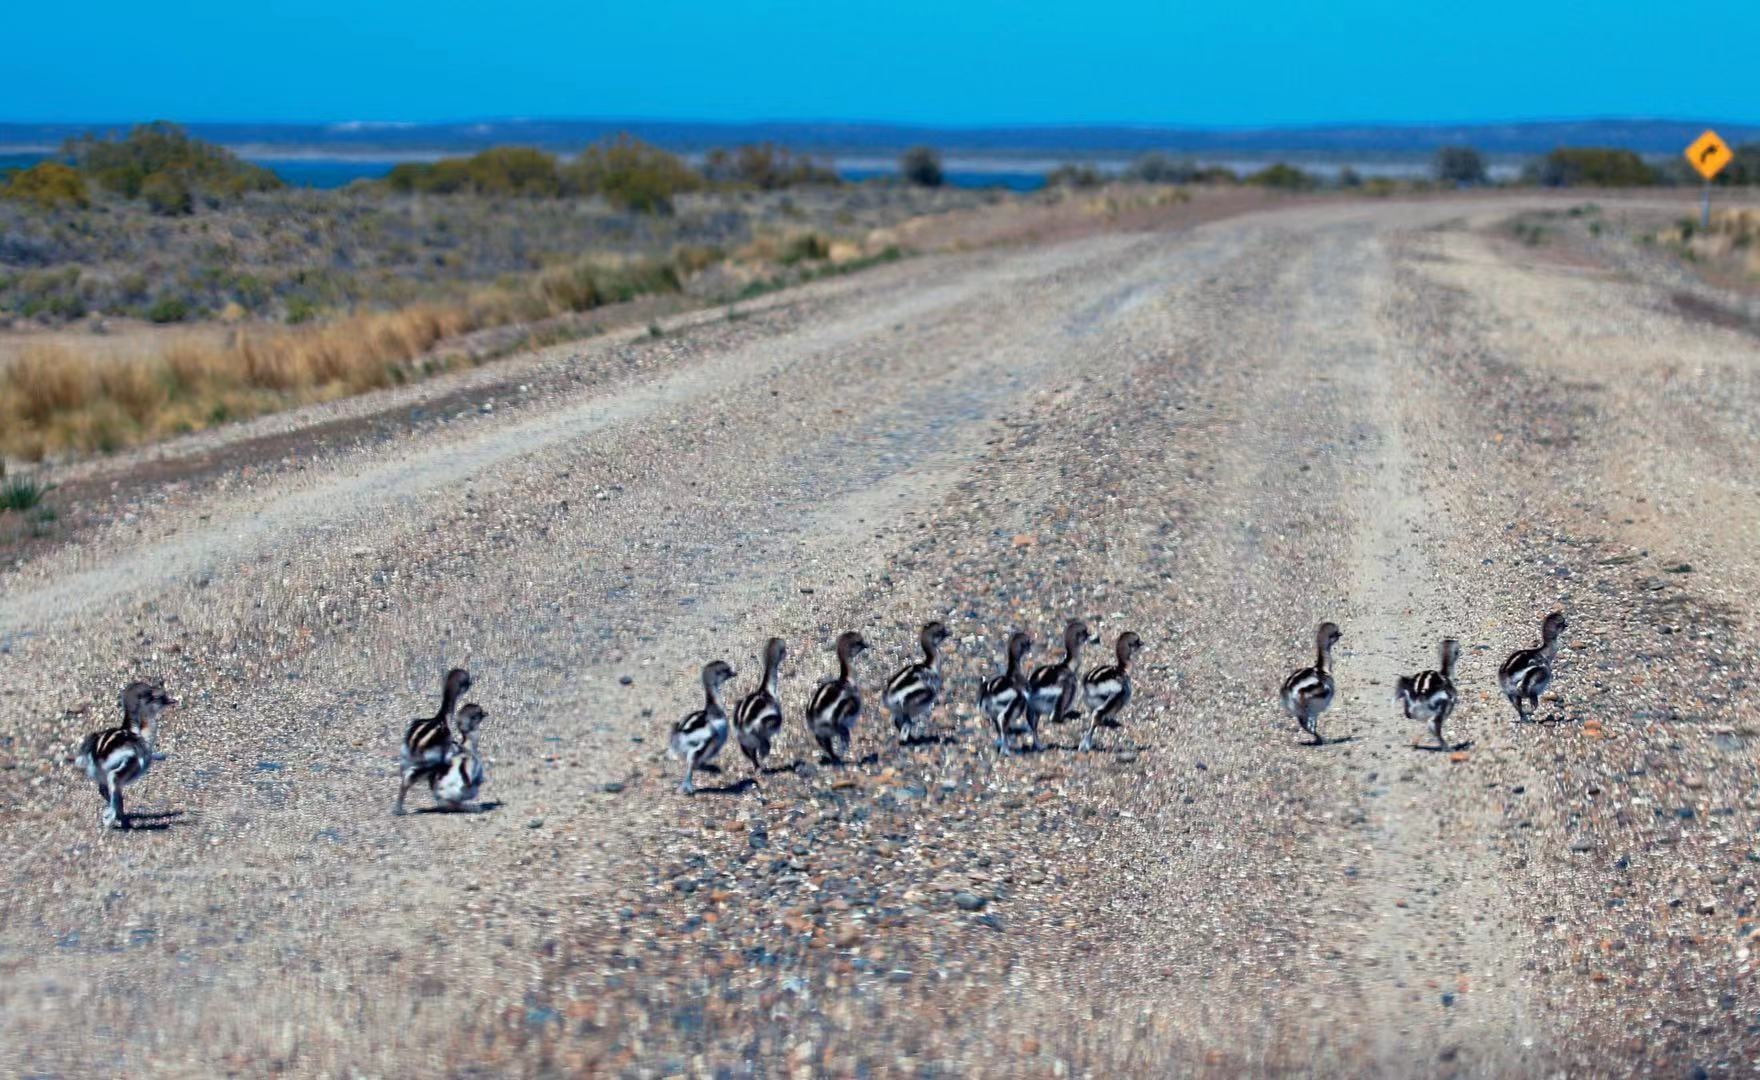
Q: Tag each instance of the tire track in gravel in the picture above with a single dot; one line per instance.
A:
(1443, 992)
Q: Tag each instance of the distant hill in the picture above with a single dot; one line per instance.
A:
(838, 138)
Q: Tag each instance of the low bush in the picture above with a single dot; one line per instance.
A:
(499, 170)
(1158, 168)
(1284, 177)
(1459, 165)
(20, 493)
(1744, 167)
(1593, 166)
(765, 166)
(1074, 175)
(921, 165)
(632, 174)
(168, 193)
(168, 310)
(47, 184)
(165, 159)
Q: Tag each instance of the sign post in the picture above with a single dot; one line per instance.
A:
(1708, 155)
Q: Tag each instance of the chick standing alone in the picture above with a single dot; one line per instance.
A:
(119, 756)
(758, 719)
(1528, 672)
(1106, 690)
(1430, 695)
(837, 703)
(699, 736)
(461, 779)
(1308, 692)
(1004, 698)
(911, 693)
(427, 741)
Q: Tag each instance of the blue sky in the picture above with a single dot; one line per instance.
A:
(1212, 63)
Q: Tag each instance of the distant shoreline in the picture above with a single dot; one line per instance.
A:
(324, 169)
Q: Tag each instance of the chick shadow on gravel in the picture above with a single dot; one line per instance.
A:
(1324, 743)
(738, 787)
(923, 741)
(479, 808)
(1110, 748)
(154, 821)
(1450, 748)
(840, 763)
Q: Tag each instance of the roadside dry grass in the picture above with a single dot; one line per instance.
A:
(56, 399)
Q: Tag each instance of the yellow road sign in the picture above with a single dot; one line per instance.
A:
(1709, 154)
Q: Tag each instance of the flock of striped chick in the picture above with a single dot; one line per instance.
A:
(1016, 702)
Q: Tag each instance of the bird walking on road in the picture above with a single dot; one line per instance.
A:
(1053, 688)
(758, 719)
(460, 780)
(117, 757)
(427, 741)
(912, 691)
(1003, 698)
(1106, 690)
(1528, 672)
(837, 703)
(1308, 692)
(1430, 696)
(699, 736)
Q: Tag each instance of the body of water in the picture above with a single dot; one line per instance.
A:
(323, 172)
(313, 171)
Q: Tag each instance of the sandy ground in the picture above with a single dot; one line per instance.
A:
(1384, 414)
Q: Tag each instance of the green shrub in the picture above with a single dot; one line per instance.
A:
(1158, 168)
(48, 184)
(1744, 167)
(765, 166)
(170, 309)
(921, 165)
(1459, 165)
(499, 170)
(1284, 177)
(168, 193)
(20, 493)
(127, 166)
(631, 174)
(1075, 176)
(806, 246)
(1569, 166)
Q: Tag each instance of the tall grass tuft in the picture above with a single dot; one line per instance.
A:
(20, 494)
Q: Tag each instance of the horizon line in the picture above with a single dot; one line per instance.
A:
(361, 124)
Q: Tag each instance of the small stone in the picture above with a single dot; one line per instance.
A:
(969, 901)
(1582, 843)
(611, 787)
(535, 823)
(626, 680)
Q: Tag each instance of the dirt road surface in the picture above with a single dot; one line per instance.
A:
(1391, 415)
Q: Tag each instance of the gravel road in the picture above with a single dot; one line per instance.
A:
(1386, 414)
